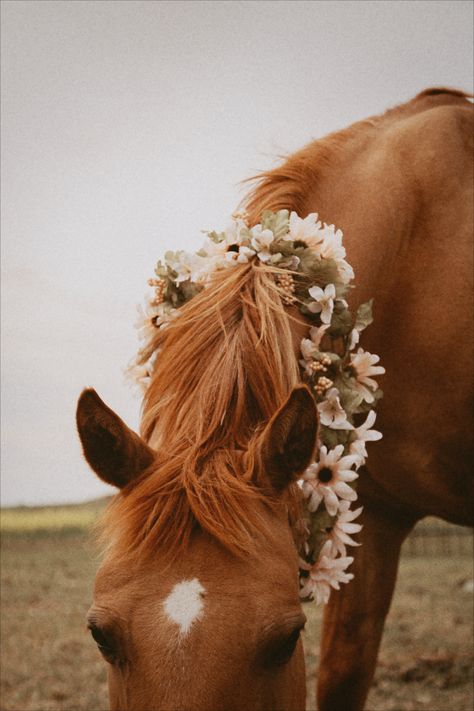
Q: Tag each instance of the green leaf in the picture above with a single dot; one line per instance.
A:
(175, 296)
(341, 321)
(284, 247)
(366, 406)
(277, 222)
(319, 272)
(364, 315)
(349, 397)
(318, 521)
(245, 236)
(276, 258)
(331, 438)
(171, 256)
(342, 290)
(189, 289)
(216, 236)
(161, 270)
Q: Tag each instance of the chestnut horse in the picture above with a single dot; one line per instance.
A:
(196, 603)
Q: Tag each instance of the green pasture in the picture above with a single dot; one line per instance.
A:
(23, 519)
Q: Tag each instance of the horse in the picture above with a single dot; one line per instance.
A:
(196, 603)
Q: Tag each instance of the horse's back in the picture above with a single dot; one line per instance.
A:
(403, 194)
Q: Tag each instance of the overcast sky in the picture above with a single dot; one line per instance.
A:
(127, 127)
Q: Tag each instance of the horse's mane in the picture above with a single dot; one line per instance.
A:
(225, 365)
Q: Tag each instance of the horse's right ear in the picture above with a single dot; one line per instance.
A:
(289, 439)
(116, 453)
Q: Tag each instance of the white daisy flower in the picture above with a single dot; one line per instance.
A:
(189, 266)
(327, 479)
(332, 248)
(346, 273)
(364, 366)
(323, 301)
(328, 572)
(307, 230)
(354, 338)
(145, 323)
(241, 256)
(232, 232)
(218, 251)
(149, 319)
(201, 269)
(214, 249)
(179, 264)
(139, 375)
(310, 345)
(331, 412)
(317, 333)
(364, 434)
(343, 528)
(260, 241)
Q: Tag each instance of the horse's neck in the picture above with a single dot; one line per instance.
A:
(398, 180)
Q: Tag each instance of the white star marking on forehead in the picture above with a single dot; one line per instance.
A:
(184, 604)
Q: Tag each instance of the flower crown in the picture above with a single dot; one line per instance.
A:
(315, 276)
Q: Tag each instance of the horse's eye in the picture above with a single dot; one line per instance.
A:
(281, 651)
(104, 643)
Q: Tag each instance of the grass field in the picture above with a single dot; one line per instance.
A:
(77, 517)
(49, 662)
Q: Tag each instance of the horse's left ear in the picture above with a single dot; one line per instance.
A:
(116, 453)
(289, 439)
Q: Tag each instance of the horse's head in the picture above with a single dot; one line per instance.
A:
(209, 627)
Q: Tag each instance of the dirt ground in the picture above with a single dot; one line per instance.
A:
(50, 664)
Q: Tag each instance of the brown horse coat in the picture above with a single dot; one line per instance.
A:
(400, 186)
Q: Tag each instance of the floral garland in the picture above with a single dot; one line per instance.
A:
(316, 277)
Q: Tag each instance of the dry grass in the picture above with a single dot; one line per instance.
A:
(50, 664)
(426, 659)
(48, 661)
